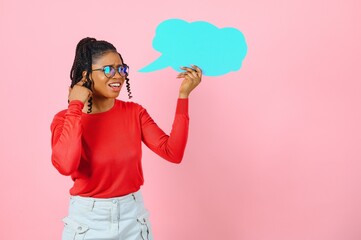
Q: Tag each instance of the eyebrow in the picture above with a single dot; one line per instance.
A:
(113, 65)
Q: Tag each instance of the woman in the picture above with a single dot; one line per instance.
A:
(97, 141)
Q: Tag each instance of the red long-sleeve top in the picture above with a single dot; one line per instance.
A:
(102, 151)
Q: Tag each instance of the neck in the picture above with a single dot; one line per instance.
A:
(100, 105)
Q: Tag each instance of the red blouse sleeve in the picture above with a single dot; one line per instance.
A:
(66, 138)
(169, 147)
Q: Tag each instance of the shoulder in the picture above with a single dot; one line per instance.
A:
(58, 118)
(129, 105)
(60, 114)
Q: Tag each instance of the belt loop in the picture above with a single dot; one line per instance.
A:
(72, 200)
(134, 197)
(92, 205)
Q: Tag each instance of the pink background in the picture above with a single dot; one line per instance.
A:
(274, 149)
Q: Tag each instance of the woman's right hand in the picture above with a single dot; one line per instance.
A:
(79, 92)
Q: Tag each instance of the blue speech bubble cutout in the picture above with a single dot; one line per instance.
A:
(217, 51)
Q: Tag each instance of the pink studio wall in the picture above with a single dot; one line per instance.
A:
(274, 149)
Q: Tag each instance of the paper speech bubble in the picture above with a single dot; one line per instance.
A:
(217, 51)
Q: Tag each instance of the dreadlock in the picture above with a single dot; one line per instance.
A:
(87, 51)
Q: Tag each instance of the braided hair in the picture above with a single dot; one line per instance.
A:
(87, 51)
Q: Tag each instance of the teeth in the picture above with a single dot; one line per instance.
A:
(114, 84)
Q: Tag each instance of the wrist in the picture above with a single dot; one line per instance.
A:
(183, 95)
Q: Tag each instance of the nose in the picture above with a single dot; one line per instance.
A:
(118, 74)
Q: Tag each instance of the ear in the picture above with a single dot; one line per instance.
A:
(84, 75)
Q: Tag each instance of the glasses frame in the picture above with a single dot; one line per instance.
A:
(116, 70)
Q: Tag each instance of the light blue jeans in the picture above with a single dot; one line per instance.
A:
(120, 218)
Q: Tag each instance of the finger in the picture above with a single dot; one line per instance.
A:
(188, 69)
(80, 86)
(84, 83)
(194, 69)
(80, 83)
(191, 71)
(181, 75)
(188, 78)
(199, 71)
(194, 74)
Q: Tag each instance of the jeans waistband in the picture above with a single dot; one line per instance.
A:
(107, 202)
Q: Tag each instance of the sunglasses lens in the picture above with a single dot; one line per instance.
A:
(107, 70)
(123, 69)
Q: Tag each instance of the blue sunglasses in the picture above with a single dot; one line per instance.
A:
(110, 71)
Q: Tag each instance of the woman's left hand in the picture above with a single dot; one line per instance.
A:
(192, 77)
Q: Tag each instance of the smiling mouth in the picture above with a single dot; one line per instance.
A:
(114, 85)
